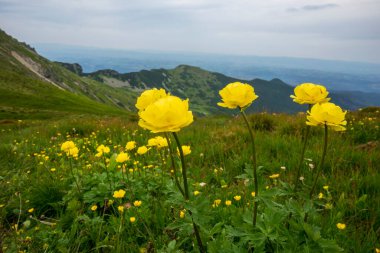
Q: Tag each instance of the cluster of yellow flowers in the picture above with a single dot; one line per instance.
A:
(70, 149)
(322, 112)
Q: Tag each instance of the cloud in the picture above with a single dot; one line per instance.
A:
(313, 7)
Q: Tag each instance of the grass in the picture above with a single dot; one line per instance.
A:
(36, 174)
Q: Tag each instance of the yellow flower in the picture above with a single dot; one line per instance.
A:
(228, 202)
(237, 197)
(168, 114)
(182, 214)
(196, 193)
(119, 194)
(122, 157)
(149, 97)
(320, 195)
(329, 114)
(341, 226)
(237, 94)
(377, 250)
(274, 176)
(137, 203)
(326, 187)
(158, 142)
(120, 209)
(31, 210)
(132, 219)
(328, 206)
(216, 203)
(309, 93)
(130, 145)
(142, 150)
(70, 148)
(53, 169)
(103, 149)
(94, 207)
(253, 194)
(185, 149)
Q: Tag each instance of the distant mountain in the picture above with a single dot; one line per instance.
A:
(335, 75)
(202, 88)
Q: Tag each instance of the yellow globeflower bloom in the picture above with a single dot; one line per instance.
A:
(329, 114)
(132, 219)
(122, 157)
(228, 202)
(70, 148)
(119, 194)
(196, 193)
(137, 203)
(158, 142)
(31, 210)
(341, 226)
(130, 145)
(142, 150)
(274, 176)
(148, 97)
(120, 209)
(237, 95)
(94, 207)
(182, 214)
(309, 93)
(186, 150)
(237, 197)
(168, 114)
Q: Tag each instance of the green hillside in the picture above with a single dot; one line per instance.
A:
(33, 87)
(202, 87)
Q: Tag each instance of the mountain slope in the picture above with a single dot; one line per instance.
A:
(32, 86)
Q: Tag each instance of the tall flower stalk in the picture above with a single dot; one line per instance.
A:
(254, 162)
(241, 95)
(162, 113)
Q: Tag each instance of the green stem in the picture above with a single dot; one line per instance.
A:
(322, 162)
(173, 165)
(108, 176)
(186, 187)
(254, 161)
(306, 137)
(184, 174)
(72, 173)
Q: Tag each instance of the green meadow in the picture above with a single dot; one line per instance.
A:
(51, 202)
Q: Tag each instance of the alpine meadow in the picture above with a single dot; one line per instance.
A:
(182, 160)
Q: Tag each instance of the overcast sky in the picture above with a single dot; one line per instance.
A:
(327, 29)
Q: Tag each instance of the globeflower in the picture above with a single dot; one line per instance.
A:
(237, 94)
(309, 93)
(329, 114)
(70, 148)
(122, 157)
(168, 114)
(158, 142)
(119, 194)
(341, 226)
(142, 150)
(148, 97)
(137, 203)
(130, 145)
(185, 149)
(102, 149)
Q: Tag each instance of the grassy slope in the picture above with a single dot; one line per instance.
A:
(23, 94)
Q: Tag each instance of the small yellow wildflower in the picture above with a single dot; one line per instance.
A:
(137, 203)
(341, 226)
(53, 169)
(196, 193)
(182, 214)
(326, 187)
(228, 202)
(31, 210)
(119, 194)
(132, 219)
(216, 203)
(237, 197)
(253, 194)
(328, 206)
(94, 207)
(142, 150)
(122, 157)
(186, 150)
(120, 209)
(130, 145)
(274, 176)
(320, 195)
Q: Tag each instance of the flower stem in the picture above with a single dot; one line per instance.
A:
(306, 137)
(254, 161)
(321, 164)
(72, 173)
(173, 165)
(186, 196)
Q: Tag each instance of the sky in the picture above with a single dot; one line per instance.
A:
(323, 29)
